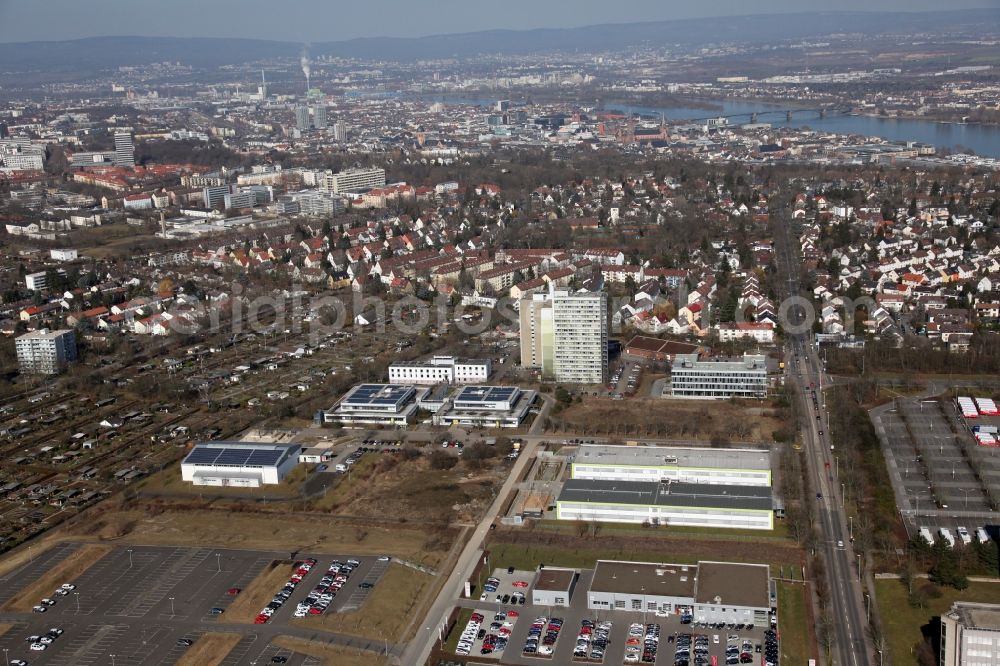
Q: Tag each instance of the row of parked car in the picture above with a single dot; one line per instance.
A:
(542, 636)
(692, 650)
(495, 640)
(770, 648)
(319, 599)
(592, 641)
(738, 651)
(301, 569)
(39, 643)
(642, 643)
(46, 603)
(468, 637)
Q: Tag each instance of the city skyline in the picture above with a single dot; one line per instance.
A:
(313, 21)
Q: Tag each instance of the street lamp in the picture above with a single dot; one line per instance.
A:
(6, 656)
(171, 606)
(129, 558)
(218, 564)
(868, 608)
(77, 595)
(112, 660)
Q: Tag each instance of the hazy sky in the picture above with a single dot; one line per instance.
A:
(330, 20)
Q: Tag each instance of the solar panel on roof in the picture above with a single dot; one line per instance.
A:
(202, 456)
(264, 458)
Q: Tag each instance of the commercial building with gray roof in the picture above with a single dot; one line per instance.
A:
(655, 503)
(739, 467)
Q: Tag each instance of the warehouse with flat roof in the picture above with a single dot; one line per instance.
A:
(738, 467)
(710, 592)
(654, 503)
(239, 464)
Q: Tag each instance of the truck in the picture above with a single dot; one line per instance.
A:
(927, 536)
(946, 535)
(964, 535)
(982, 536)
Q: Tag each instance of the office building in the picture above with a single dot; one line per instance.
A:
(4, 132)
(124, 149)
(373, 404)
(241, 199)
(970, 635)
(355, 180)
(214, 196)
(693, 378)
(302, 121)
(737, 467)
(239, 464)
(340, 131)
(45, 352)
(319, 117)
(656, 503)
(486, 407)
(441, 369)
(565, 335)
(315, 203)
(36, 281)
(710, 592)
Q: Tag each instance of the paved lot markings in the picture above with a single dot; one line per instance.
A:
(359, 594)
(20, 577)
(237, 656)
(91, 646)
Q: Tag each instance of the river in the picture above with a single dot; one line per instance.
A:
(983, 139)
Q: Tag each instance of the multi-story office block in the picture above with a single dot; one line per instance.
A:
(355, 180)
(124, 150)
(45, 352)
(692, 378)
(970, 635)
(566, 336)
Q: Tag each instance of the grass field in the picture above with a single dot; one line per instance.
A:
(259, 592)
(332, 655)
(903, 623)
(456, 632)
(65, 571)
(209, 650)
(278, 532)
(584, 553)
(796, 630)
(4, 628)
(385, 613)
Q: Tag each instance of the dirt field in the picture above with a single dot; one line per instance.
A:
(4, 628)
(385, 486)
(385, 613)
(63, 572)
(331, 655)
(746, 421)
(259, 592)
(261, 531)
(209, 650)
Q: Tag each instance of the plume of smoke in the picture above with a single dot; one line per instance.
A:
(304, 62)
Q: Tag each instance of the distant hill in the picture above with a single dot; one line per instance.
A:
(92, 54)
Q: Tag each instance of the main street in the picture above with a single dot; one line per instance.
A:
(849, 644)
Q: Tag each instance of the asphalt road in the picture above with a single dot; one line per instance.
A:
(850, 644)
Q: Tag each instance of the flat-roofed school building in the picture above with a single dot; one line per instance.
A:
(239, 464)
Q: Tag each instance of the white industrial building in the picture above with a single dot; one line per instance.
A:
(239, 464)
(486, 407)
(738, 467)
(373, 404)
(654, 503)
(693, 378)
(441, 369)
(707, 592)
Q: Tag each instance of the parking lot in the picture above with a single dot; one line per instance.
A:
(572, 622)
(137, 602)
(934, 463)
